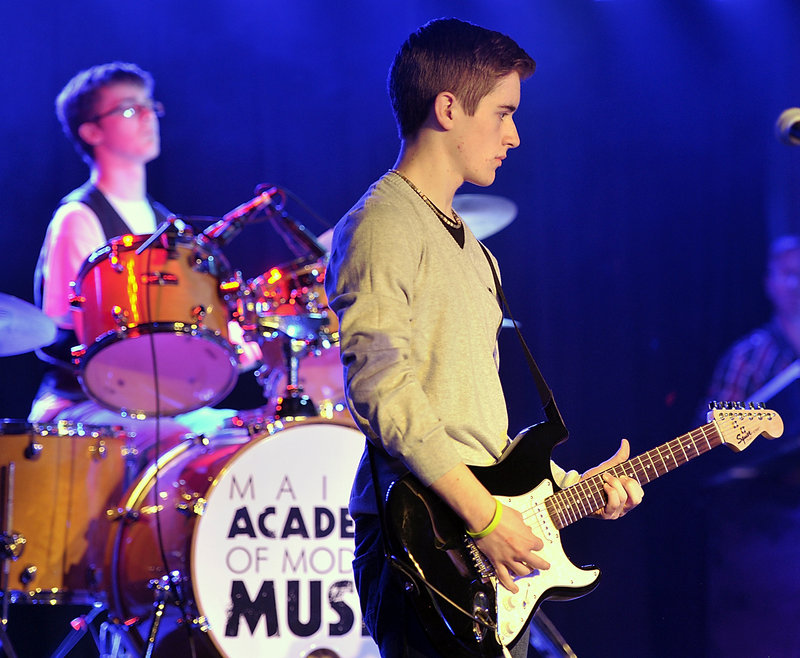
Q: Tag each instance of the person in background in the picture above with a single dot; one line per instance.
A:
(422, 384)
(768, 351)
(109, 114)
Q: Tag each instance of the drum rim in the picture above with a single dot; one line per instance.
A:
(62, 428)
(183, 239)
(175, 328)
(292, 266)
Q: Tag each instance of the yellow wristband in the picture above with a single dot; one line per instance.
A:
(498, 514)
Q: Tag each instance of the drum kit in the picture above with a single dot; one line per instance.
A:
(232, 545)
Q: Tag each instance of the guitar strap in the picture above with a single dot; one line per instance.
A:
(548, 402)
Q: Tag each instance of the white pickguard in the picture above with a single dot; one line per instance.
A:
(514, 610)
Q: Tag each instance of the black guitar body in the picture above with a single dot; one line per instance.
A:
(432, 551)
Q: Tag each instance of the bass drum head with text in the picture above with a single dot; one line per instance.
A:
(272, 553)
(257, 531)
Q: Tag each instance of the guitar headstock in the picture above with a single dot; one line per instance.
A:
(739, 425)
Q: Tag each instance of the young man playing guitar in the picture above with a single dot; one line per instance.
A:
(421, 382)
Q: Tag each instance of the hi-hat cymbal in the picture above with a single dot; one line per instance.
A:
(23, 327)
(485, 214)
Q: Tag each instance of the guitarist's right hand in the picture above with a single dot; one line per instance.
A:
(512, 549)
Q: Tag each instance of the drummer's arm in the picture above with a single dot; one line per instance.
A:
(73, 234)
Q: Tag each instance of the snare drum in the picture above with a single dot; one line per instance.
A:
(290, 299)
(260, 535)
(59, 480)
(161, 312)
(319, 373)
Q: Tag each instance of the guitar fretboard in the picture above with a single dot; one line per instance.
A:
(587, 496)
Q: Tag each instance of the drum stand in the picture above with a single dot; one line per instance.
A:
(298, 335)
(169, 589)
(294, 403)
(80, 626)
(11, 547)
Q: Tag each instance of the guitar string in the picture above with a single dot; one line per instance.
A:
(568, 506)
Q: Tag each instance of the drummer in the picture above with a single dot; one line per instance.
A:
(109, 114)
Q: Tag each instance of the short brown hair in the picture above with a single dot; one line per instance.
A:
(75, 104)
(448, 54)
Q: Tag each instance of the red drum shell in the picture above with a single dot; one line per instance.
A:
(128, 305)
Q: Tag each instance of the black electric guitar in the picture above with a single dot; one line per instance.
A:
(453, 586)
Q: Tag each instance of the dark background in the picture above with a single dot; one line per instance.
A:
(649, 182)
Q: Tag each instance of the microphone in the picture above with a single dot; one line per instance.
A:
(231, 223)
(787, 128)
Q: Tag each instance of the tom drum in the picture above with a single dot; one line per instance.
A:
(160, 312)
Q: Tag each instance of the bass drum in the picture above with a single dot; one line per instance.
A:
(260, 539)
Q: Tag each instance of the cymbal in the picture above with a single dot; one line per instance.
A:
(485, 214)
(23, 327)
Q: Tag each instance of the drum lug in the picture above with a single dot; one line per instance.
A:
(98, 451)
(199, 315)
(159, 278)
(201, 624)
(33, 450)
(204, 263)
(119, 315)
(192, 506)
(12, 545)
(77, 352)
(121, 514)
(75, 301)
(129, 452)
(233, 287)
(28, 574)
(114, 260)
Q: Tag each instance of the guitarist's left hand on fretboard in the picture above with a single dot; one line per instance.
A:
(622, 493)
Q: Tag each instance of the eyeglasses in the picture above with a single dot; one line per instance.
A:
(130, 110)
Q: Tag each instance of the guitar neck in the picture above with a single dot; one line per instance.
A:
(587, 496)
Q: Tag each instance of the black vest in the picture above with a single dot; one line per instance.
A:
(59, 374)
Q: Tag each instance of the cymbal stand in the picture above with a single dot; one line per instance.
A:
(80, 626)
(112, 636)
(169, 589)
(294, 403)
(11, 547)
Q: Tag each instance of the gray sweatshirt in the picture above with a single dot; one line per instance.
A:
(418, 320)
